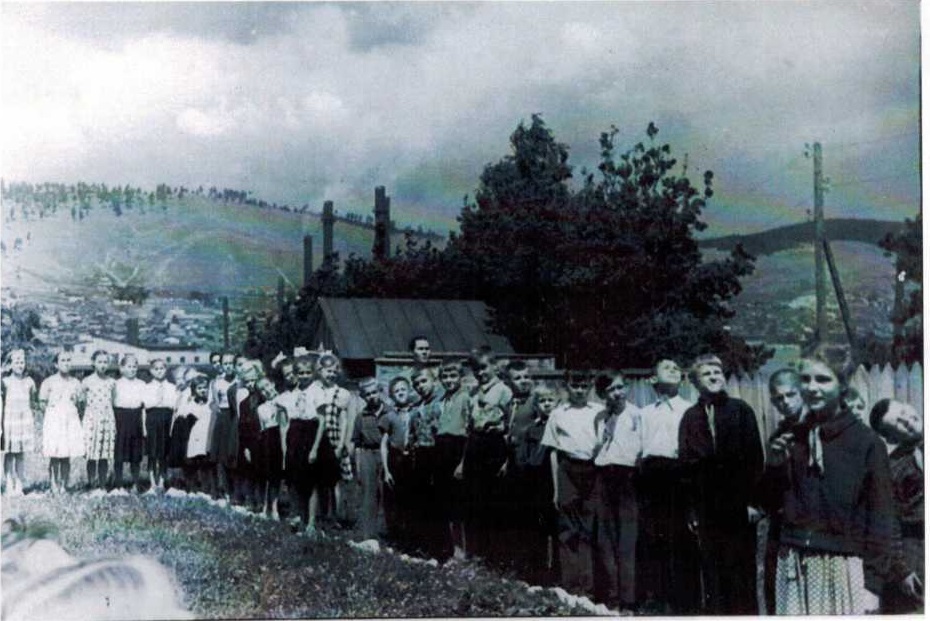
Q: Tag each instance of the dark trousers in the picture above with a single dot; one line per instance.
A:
(398, 500)
(617, 532)
(728, 568)
(576, 524)
(668, 551)
(484, 457)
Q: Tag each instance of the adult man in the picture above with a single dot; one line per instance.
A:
(720, 447)
(420, 348)
(901, 427)
(667, 553)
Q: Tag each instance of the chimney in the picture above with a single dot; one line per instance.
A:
(381, 248)
(328, 221)
(308, 259)
(132, 331)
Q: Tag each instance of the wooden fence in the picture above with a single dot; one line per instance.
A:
(872, 383)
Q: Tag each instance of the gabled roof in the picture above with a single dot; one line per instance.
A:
(365, 328)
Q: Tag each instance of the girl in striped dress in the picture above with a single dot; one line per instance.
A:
(19, 396)
(61, 433)
(99, 421)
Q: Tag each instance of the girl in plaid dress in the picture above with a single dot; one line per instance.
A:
(99, 420)
(19, 395)
(331, 402)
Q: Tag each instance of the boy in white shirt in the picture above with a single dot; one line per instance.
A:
(570, 433)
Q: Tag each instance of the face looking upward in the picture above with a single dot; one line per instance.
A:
(901, 424)
(710, 379)
(668, 373)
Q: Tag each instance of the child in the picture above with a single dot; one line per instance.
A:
(159, 410)
(366, 441)
(99, 421)
(530, 472)
(451, 434)
(129, 409)
(270, 458)
(571, 435)
(245, 402)
(62, 437)
(486, 452)
(396, 460)
(619, 432)
(19, 392)
(287, 405)
(224, 441)
(190, 434)
(721, 450)
(309, 458)
(331, 402)
(424, 423)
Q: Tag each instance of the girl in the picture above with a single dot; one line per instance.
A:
(270, 457)
(19, 392)
(159, 410)
(830, 477)
(191, 435)
(99, 421)
(129, 410)
(310, 459)
(62, 437)
(332, 402)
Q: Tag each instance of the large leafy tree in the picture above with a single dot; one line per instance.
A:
(607, 274)
(907, 316)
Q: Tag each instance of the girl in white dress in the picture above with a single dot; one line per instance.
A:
(61, 434)
(19, 396)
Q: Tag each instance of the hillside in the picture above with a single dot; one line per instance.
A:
(195, 243)
(787, 237)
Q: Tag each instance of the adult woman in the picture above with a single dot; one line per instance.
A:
(831, 477)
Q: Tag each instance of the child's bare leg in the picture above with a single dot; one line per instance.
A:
(457, 532)
(314, 509)
(65, 473)
(134, 469)
(8, 471)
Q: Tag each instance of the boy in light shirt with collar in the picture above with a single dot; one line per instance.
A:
(571, 435)
(670, 561)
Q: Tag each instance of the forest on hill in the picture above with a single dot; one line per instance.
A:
(790, 236)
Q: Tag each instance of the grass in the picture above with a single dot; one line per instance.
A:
(230, 565)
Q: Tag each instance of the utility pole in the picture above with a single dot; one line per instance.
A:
(820, 333)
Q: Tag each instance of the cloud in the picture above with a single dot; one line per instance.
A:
(305, 102)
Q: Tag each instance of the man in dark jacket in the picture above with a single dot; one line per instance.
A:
(720, 447)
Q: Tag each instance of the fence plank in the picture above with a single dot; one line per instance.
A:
(875, 383)
(886, 383)
(915, 388)
(733, 387)
(860, 381)
(900, 384)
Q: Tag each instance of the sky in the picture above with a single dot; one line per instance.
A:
(306, 102)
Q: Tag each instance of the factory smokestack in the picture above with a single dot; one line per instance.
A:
(308, 259)
(328, 221)
(382, 244)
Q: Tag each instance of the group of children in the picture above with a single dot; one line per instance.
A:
(649, 509)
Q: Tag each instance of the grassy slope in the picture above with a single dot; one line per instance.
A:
(198, 244)
(231, 566)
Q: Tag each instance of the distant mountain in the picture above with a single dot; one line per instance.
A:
(788, 237)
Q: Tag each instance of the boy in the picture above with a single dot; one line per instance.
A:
(721, 450)
(224, 443)
(397, 460)
(571, 435)
(424, 423)
(619, 430)
(667, 550)
(486, 451)
(159, 410)
(902, 429)
(366, 443)
(450, 452)
(245, 406)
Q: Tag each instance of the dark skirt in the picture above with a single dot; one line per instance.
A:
(157, 432)
(180, 434)
(224, 442)
(270, 455)
(303, 475)
(129, 436)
